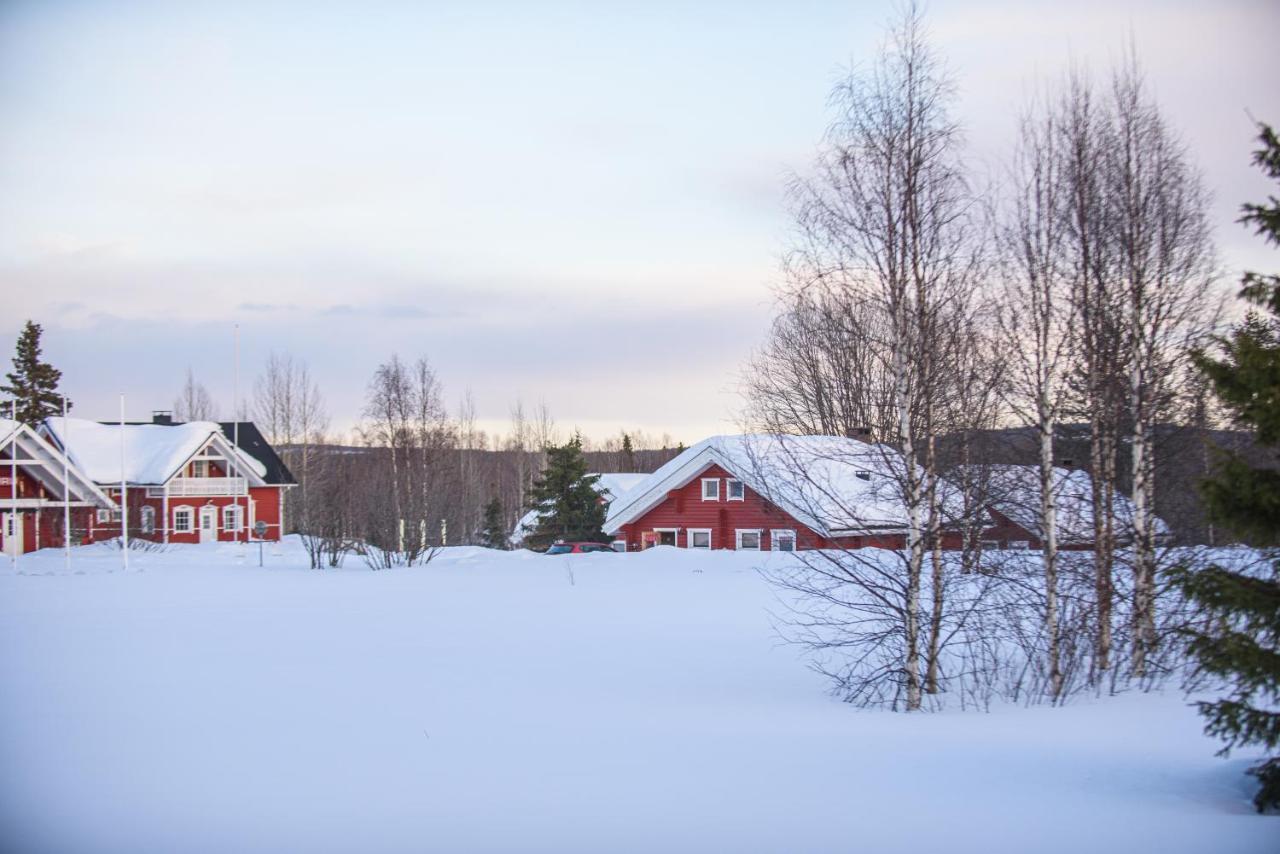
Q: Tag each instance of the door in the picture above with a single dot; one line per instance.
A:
(11, 528)
(667, 537)
(208, 524)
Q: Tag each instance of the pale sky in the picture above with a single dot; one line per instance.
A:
(574, 202)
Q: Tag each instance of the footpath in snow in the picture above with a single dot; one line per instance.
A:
(516, 702)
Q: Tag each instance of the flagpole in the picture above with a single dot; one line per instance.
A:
(14, 519)
(66, 490)
(124, 494)
(235, 437)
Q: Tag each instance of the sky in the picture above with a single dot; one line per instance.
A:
(580, 204)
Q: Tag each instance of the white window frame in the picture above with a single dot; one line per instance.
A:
(199, 468)
(737, 539)
(707, 480)
(782, 532)
(675, 536)
(863, 474)
(233, 510)
(619, 545)
(1020, 545)
(147, 519)
(689, 538)
(190, 513)
(728, 489)
(103, 516)
(989, 545)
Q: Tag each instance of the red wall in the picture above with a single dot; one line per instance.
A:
(267, 509)
(684, 508)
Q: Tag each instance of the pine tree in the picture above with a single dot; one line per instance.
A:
(493, 533)
(566, 495)
(628, 453)
(1241, 643)
(33, 384)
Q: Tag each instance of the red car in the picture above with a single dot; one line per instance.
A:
(577, 548)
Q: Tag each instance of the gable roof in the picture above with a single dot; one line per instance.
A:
(1014, 491)
(150, 454)
(51, 465)
(834, 485)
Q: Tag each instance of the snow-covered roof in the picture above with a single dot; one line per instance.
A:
(1014, 492)
(152, 453)
(50, 467)
(832, 484)
(611, 487)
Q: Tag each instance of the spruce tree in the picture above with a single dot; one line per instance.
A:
(628, 453)
(33, 384)
(566, 496)
(1240, 640)
(493, 533)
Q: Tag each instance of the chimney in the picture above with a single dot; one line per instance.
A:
(161, 417)
(862, 434)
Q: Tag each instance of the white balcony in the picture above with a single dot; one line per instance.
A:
(187, 487)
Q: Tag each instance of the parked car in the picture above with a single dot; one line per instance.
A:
(577, 548)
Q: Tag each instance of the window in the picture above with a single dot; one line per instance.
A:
(182, 520)
(735, 491)
(104, 516)
(619, 545)
(231, 516)
(989, 545)
(782, 541)
(1019, 544)
(748, 540)
(711, 489)
(148, 520)
(699, 538)
(200, 468)
(864, 475)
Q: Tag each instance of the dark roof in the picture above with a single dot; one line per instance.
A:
(256, 445)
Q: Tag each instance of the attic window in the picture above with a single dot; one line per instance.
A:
(735, 490)
(864, 475)
(711, 489)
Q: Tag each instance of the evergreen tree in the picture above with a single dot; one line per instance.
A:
(493, 533)
(33, 384)
(628, 453)
(1241, 643)
(566, 495)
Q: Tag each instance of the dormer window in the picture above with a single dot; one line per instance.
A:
(735, 490)
(711, 489)
(864, 475)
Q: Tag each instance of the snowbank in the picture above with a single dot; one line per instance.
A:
(516, 702)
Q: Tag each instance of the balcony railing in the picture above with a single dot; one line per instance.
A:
(186, 487)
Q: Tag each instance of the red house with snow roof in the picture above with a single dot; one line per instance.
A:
(767, 492)
(811, 492)
(41, 491)
(186, 482)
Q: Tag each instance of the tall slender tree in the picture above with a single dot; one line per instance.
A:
(33, 382)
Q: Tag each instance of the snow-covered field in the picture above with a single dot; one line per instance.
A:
(516, 702)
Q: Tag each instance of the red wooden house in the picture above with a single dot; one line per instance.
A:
(39, 489)
(767, 492)
(812, 492)
(185, 482)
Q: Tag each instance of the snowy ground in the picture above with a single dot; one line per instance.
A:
(515, 702)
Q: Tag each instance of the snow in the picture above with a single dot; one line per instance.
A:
(817, 479)
(1015, 492)
(153, 453)
(611, 486)
(500, 701)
